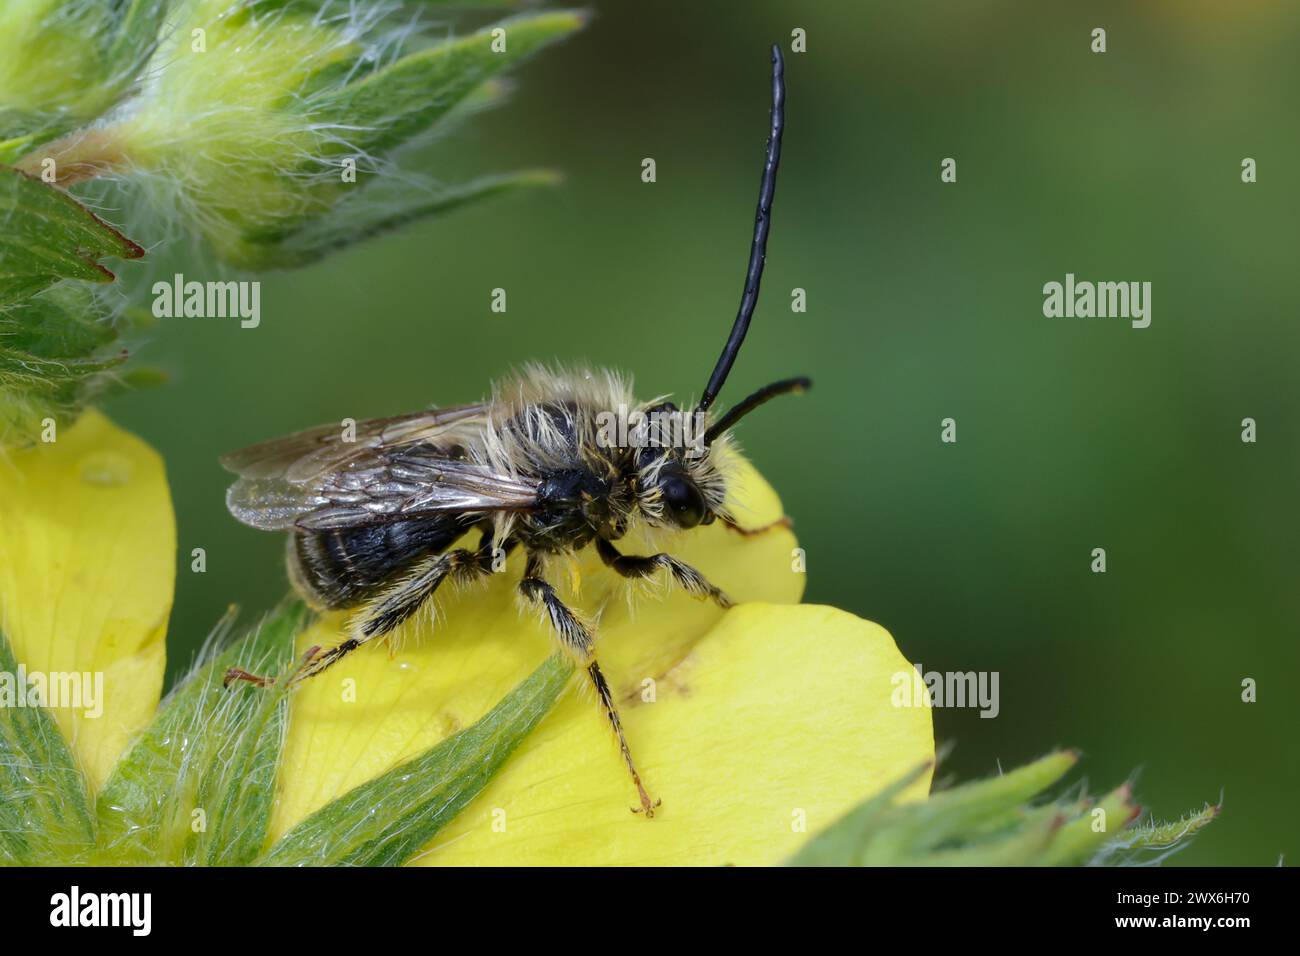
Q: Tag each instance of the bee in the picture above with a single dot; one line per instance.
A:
(552, 463)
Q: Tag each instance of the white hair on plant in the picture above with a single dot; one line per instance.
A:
(234, 123)
(240, 119)
(231, 127)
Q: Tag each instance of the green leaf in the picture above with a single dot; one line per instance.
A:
(988, 823)
(463, 4)
(1021, 846)
(386, 821)
(57, 326)
(1153, 842)
(950, 814)
(360, 219)
(316, 5)
(45, 814)
(68, 62)
(14, 147)
(198, 785)
(845, 841)
(55, 338)
(1080, 838)
(390, 106)
(136, 36)
(49, 236)
(56, 355)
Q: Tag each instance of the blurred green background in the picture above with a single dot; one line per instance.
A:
(924, 302)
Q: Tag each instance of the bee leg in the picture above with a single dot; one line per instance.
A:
(648, 806)
(577, 640)
(382, 615)
(638, 566)
(239, 674)
(313, 663)
(782, 522)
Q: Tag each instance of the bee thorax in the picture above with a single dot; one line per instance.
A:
(576, 506)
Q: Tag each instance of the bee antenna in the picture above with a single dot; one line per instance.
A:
(764, 395)
(758, 251)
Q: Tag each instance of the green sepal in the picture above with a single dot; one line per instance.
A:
(354, 221)
(197, 786)
(993, 822)
(390, 106)
(388, 820)
(45, 816)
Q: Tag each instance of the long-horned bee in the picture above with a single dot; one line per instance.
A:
(372, 516)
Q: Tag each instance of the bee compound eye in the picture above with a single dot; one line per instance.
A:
(685, 504)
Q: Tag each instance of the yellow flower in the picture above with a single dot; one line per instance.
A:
(756, 727)
(87, 567)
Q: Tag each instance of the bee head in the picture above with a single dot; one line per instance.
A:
(682, 501)
(678, 484)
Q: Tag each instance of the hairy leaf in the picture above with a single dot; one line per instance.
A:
(406, 98)
(987, 823)
(56, 355)
(64, 63)
(45, 815)
(197, 786)
(46, 235)
(386, 821)
(1152, 841)
(354, 221)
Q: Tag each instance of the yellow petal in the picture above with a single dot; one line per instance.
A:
(778, 722)
(87, 567)
(377, 707)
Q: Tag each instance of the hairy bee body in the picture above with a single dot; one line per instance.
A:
(547, 430)
(553, 462)
(587, 443)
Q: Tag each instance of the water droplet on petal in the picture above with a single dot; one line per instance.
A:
(106, 468)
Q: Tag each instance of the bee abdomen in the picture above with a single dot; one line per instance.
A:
(345, 568)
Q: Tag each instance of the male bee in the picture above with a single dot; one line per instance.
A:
(372, 516)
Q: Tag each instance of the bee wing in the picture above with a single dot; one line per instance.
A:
(308, 456)
(394, 468)
(378, 486)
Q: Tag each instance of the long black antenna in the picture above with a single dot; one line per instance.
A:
(758, 251)
(764, 395)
